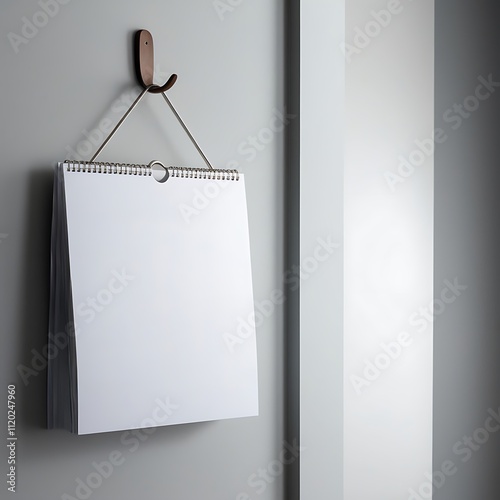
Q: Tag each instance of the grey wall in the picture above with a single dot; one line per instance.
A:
(321, 201)
(66, 79)
(388, 247)
(467, 204)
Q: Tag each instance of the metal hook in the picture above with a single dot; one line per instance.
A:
(145, 63)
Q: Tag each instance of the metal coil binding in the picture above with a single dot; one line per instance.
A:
(107, 168)
(137, 169)
(203, 173)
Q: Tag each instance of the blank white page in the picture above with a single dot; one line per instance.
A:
(160, 273)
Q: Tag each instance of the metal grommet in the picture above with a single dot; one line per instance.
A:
(159, 171)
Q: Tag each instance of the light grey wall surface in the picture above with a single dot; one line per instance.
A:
(388, 247)
(58, 84)
(467, 208)
(322, 150)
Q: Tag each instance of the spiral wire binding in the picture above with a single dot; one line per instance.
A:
(146, 170)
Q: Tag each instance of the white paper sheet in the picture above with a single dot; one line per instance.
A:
(161, 278)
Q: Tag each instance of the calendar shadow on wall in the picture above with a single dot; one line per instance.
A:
(31, 362)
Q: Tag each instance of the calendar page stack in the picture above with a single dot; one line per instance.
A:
(151, 282)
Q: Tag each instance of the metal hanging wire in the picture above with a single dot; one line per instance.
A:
(144, 60)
